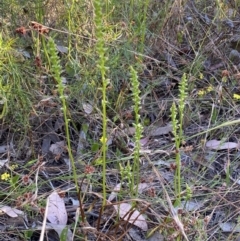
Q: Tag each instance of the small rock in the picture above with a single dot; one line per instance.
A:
(234, 56)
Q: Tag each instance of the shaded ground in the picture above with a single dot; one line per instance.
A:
(199, 40)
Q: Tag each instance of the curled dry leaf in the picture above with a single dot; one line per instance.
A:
(219, 145)
(12, 212)
(130, 215)
(87, 108)
(57, 148)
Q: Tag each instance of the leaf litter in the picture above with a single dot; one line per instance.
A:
(130, 215)
(125, 211)
(57, 214)
(205, 167)
(12, 212)
(219, 145)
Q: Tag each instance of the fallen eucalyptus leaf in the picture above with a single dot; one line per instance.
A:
(230, 227)
(57, 213)
(130, 215)
(143, 187)
(12, 212)
(62, 49)
(219, 145)
(161, 130)
(57, 148)
(189, 206)
(144, 141)
(157, 236)
(4, 148)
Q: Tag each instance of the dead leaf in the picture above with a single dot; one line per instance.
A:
(57, 213)
(3, 162)
(135, 234)
(142, 187)
(132, 216)
(144, 141)
(130, 131)
(12, 212)
(87, 108)
(46, 102)
(113, 194)
(82, 142)
(125, 210)
(75, 202)
(57, 148)
(219, 145)
(189, 206)
(4, 149)
(64, 80)
(157, 236)
(62, 49)
(24, 53)
(59, 228)
(230, 227)
(161, 130)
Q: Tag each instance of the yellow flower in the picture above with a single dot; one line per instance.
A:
(236, 96)
(5, 176)
(201, 92)
(13, 167)
(209, 88)
(224, 79)
(102, 140)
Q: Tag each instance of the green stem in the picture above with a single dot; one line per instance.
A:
(101, 51)
(56, 71)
